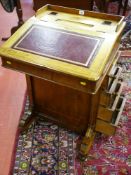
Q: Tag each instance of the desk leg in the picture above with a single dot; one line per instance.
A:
(29, 113)
(87, 142)
(29, 116)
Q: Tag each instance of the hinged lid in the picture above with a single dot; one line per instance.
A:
(67, 40)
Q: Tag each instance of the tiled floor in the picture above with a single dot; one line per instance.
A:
(12, 92)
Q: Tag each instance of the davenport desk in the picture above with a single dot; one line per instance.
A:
(69, 57)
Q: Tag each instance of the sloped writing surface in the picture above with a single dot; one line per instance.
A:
(59, 44)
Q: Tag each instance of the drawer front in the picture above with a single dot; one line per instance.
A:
(104, 127)
(107, 96)
(53, 76)
(108, 102)
(107, 127)
(112, 77)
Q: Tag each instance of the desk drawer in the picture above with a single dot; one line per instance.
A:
(107, 96)
(110, 101)
(50, 75)
(109, 128)
(115, 72)
(112, 77)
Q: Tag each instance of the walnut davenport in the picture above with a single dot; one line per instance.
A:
(69, 58)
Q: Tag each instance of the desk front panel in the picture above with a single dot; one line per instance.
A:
(50, 75)
(65, 106)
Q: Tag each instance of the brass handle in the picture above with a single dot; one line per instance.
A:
(83, 83)
(8, 62)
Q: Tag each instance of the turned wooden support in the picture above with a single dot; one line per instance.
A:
(87, 142)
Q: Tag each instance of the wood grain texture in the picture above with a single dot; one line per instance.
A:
(67, 106)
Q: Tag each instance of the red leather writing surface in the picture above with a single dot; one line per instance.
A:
(59, 44)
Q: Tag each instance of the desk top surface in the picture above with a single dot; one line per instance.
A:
(65, 46)
(67, 40)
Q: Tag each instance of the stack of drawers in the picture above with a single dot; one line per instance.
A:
(111, 102)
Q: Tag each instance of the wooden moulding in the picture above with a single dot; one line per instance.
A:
(107, 127)
(117, 18)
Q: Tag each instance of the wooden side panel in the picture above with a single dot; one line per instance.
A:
(66, 106)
